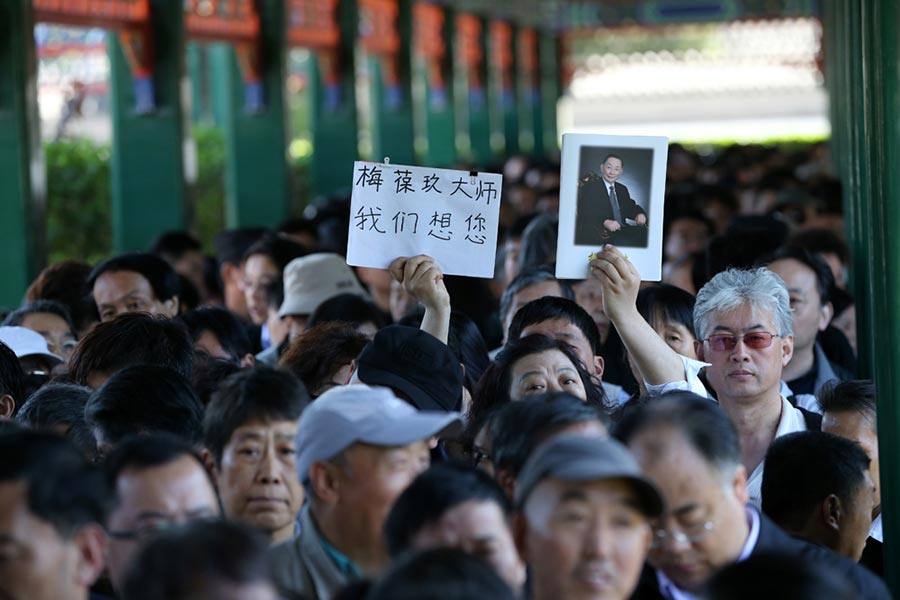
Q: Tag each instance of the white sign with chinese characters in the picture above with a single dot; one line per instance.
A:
(399, 210)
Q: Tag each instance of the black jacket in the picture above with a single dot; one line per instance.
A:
(594, 208)
(772, 539)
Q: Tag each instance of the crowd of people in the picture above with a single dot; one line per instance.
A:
(268, 422)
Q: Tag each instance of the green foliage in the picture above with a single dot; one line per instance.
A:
(207, 195)
(78, 201)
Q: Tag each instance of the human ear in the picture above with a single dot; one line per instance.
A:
(210, 463)
(599, 364)
(325, 481)
(7, 406)
(826, 313)
(739, 485)
(170, 307)
(832, 512)
(507, 481)
(90, 543)
(698, 350)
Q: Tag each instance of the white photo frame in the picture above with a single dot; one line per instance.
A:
(587, 219)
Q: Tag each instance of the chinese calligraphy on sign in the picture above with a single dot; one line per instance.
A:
(399, 210)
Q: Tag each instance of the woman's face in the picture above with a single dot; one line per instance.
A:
(259, 271)
(544, 372)
(677, 337)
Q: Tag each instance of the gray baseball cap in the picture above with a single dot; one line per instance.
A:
(348, 414)
(582, 458)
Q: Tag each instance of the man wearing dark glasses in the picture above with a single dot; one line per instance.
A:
(745, 336)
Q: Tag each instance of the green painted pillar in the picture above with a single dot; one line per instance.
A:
(551, 89)
(502, 94)
(531, 138)
(257, 177)
(390, 92)
(844, 80)
(435, 79)
(147, 171)
(22, 182)
(880, 155)
(333, 110)
(472, 89)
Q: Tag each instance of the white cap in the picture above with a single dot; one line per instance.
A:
(348, 414)
(25, 342)
(311, 280)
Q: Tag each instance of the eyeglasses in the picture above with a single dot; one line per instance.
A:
(756, 340)
(688, 535)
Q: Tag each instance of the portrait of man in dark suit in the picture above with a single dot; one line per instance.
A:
(603, 206)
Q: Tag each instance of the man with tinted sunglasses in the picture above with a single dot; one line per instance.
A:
(745, 338)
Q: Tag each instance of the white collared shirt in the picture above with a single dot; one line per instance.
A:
(791, 419)
(876, 532)
(673, 592)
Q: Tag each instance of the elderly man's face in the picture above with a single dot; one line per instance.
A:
(257, 477)
(701, 532)
(809, 316)
(480, 528)
(118, 292)
(583, 540)
(36, 562)
(152, 499)
(371, 479)
(744, 373)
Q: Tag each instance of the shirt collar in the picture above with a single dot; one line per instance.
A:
(877, 532)
(672, 592)
(346, 566)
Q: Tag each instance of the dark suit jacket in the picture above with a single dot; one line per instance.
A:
(594, 207)
(774, 540)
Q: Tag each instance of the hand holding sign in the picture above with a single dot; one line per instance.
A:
(399, 210)
(421, 277)
(620, 281)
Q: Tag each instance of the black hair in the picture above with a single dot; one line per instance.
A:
(431, 495)
(63, 489)
(208, 373)
(141, 452)
(778, 575)
(172, 245)
(609, 156)
(527, 278)
(12, 377)
(465, 340)
(159, 274)
(279, 249)
(260, 393)
(494, 386)
(824, 276)
(228, 329)
(348, 308)
(188, 295)
(66, 283)
(821, 241)
(194, 560)
(520, 427)
(17, 317)
(553, 307)
(143, 399)
(299, 225)
(703, 424)
(804, 468)
(539, 242)
(60, 404)
(274, 293)
(663, 302)
(319, 352)
(440, 574)
(132, 339)
(231, 244)
(848, 396)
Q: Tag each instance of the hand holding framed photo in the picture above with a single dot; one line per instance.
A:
(611, 192)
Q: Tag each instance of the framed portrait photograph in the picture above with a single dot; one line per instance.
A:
(612, 190)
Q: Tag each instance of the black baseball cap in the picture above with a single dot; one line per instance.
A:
(416, 364)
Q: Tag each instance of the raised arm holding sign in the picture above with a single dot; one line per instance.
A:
(450, 215)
